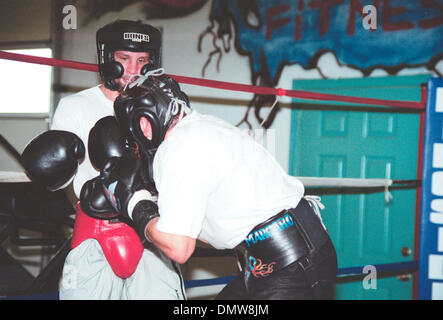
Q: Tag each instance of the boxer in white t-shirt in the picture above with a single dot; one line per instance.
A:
(216, 184)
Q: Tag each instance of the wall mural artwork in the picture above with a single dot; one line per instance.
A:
(273, 34)
(152, 9)
(363, 34)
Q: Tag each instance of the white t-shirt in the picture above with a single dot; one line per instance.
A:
(78, 113)
(216, 183)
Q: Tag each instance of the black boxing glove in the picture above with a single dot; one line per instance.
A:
(105, 141)
(52, 158)
(124, 188)
(94, 202)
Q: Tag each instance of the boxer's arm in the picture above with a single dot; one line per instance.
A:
(176, 247)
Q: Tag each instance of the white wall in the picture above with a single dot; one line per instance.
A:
(17, 30)
(18, 132)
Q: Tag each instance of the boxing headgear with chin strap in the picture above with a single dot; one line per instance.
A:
(125, 35)
(156, 98)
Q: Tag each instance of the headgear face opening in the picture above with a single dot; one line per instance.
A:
(125, 35)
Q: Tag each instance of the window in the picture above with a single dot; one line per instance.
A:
(25, 87)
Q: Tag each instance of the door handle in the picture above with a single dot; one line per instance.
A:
(406, 251)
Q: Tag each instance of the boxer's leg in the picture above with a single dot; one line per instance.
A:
(234, 290)
(88, 276)
(156, 278)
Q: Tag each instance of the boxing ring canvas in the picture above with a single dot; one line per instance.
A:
(336, 139)
(431, 231)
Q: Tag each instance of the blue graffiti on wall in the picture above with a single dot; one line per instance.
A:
(296, 31)
(276, 33)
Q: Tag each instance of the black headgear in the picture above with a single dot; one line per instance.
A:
(128, 36)
(158, 99)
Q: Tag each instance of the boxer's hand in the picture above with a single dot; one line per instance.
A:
(94, 202)
(52, 158)
(123, 186)
(105, 141)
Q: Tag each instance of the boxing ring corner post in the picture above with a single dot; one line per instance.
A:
(430, 234)
(418, 194)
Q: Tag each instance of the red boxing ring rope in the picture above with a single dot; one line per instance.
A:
(224, 85)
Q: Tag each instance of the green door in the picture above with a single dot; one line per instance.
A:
(363, 142)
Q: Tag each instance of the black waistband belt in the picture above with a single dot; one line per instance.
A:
(283, 239)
